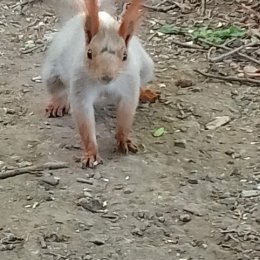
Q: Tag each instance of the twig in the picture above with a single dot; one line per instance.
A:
(30, 25)
(227, 48)
(231, 52)
(58, 256)
(225, 231)
(162, 3)
(249, 58)
(151, 37)
(32, 169)
(232, 237)
(203, 6)
(32, 49)
(251, 10)
(240, 80)
(163, 9)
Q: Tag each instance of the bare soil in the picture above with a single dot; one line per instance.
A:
(189, 194)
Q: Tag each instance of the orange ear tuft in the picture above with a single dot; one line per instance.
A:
(131, 20)
(92, 19)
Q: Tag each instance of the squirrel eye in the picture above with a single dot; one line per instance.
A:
(124, 56)
(89, 54)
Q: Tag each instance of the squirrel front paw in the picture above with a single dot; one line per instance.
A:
(126, 146)
(90, 161)
(58, 106)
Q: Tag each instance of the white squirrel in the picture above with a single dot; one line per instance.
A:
(95, 55)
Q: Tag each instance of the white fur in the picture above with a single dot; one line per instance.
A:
(65, 60)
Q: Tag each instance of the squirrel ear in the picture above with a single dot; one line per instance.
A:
(92, 20)
(131, 20)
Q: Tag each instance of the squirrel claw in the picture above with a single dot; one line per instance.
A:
(57, 108)
(127, 146)
(90, 161)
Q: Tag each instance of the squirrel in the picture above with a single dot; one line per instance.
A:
(93, 54)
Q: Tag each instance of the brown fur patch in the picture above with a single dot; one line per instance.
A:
(86, 131)
(125, 117)
(92, 20)
(131, 20)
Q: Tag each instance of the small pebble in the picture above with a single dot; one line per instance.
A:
(98, 241)
(128, 191)
(161, 219)
(50, 180)
(88, 194)
(37, 79)
(235, 172)
(180, 143)
(87, 257)
(141, 214)
(185, 218)
(184, 83)
(118, 187)
(193, 181)
(137, 232)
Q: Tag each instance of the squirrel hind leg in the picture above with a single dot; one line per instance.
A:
(59, 104)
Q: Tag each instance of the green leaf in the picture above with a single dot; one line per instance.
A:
(159, 132)
(218, 35)
(167, 29)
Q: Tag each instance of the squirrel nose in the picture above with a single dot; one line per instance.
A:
(106, 79)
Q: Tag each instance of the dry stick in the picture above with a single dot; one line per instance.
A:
(32, 49)
(251, 10)
(162, 3)
(241, 80)
(231, 52)
(249, 58)
(227, 48)
(160, 8)
(203, 6)
(35, 168)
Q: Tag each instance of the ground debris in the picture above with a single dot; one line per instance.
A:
(195, 209)
(86, 181)
(217, 122)
(97, 241)
(9, 241)
(33, 169)
(55, 237)
(94, 205)
(180, 143)
(185, 218)
(165, 181)
(250, 193)
(184, 83)
(50, 180)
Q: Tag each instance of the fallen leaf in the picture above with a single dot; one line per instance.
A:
(159, 132)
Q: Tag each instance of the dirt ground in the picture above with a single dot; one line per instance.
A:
(189, 194)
